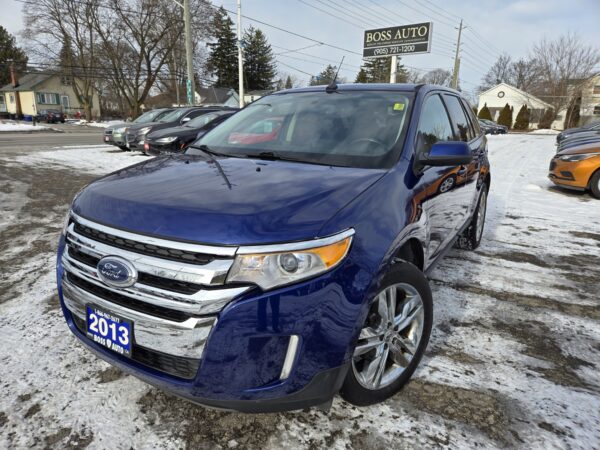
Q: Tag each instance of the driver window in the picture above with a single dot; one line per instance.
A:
(434, 124)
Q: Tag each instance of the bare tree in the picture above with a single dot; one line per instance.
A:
(500, 72)
(69, 23)
(525, 74)
(440, 77)
(563, 63)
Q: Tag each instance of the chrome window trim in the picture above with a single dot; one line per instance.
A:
(196, 248)
(295, 246)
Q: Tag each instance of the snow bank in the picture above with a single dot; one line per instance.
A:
(545, 131)
(17, 126)
(97, 159)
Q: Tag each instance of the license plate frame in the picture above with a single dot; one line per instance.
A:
(115, 333)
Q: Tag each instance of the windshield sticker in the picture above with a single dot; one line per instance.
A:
(398, 106)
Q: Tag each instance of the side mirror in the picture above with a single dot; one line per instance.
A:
(446, 153)
(186, 119)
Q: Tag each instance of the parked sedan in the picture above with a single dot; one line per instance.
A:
(176, 139)
(578, 168)
(573, 132)
(495, 128)
(51, 116)
(136, 134)
(115, 134)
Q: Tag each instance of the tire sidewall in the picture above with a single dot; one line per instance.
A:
(407, 273)
(595, 184)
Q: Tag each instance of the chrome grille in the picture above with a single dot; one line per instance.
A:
(173, 303)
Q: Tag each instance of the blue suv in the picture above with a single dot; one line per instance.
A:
(283, 258)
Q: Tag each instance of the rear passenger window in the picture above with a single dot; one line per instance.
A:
(471, 116)
(459, 118)
(434, 124)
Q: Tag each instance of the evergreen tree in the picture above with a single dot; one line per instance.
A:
(10, 52)
(505, 117)
(484, 113)
(547, 119)
(522, 120)
(362, 76)
(222, 59)
(288, 83)
(260, 66)
(325, 77)
(377, 70)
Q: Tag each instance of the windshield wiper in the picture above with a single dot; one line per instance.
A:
(271, 156)
(205, 148)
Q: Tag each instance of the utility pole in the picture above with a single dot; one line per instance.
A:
(394, 69)
(240, 55)
(457, 58)
(187, 18)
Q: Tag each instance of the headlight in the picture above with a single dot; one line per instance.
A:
(270, 266)
(166, 140)
(579, 157)
(120, 130)
(144, 130)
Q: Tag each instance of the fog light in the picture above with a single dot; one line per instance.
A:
(288, 262)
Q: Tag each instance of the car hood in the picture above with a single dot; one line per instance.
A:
(231, 201)
(113, 126)
(172, 131)
(592, 147)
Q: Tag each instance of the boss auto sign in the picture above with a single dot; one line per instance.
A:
(405, 39)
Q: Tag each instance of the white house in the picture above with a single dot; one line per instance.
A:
(498, 96)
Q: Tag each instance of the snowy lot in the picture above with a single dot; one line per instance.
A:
(513, 361)
(11, 125)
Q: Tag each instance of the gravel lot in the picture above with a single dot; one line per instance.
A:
(513, 361)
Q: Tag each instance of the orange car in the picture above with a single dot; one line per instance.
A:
(577, 168)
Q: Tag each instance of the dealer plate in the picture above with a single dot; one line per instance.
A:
(109, 330)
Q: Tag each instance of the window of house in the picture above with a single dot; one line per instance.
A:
(66, 80)
(596, 89)
(11, 98)
(2, 99)
(47, 99)
(597, 109)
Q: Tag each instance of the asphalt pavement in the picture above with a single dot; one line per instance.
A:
(65, 135)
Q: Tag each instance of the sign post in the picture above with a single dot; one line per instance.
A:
(401, 40)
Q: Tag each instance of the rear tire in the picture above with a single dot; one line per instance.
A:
(595, 184)
(122, 147)
(391, 345)
(471, 237)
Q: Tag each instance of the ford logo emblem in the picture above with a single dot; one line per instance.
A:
(116, 271)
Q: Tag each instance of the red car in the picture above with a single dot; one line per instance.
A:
(51, 116)
(263, 131)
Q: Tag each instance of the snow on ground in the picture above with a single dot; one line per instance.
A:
(545, 131)
(11, 125)
(94, 124)
(513, 359)
(97, 159)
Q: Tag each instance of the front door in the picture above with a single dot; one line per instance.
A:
(437, 194)
(64, 100)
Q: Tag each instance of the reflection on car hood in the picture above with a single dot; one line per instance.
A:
(587, 147)
(172, 131)
(223, 201)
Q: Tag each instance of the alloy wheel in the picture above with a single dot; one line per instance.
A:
(390, 338)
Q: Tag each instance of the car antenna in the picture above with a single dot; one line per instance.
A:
(332, 87)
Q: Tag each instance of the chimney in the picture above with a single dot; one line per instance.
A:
(13, 75)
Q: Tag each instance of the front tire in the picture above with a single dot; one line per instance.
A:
(470, 239)
(393, 338)
(595, 184)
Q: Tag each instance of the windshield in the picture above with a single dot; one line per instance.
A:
(173, 115)
(202, 120)
(148, 116)
(345, 128)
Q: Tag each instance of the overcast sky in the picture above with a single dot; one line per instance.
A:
(493, 26)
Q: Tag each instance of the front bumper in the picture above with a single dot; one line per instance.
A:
(573, 175)
(239, 356)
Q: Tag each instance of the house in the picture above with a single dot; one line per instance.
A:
(251, 96)
(498, 96)
(589, 109)
(37, 91)
(217, 96)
